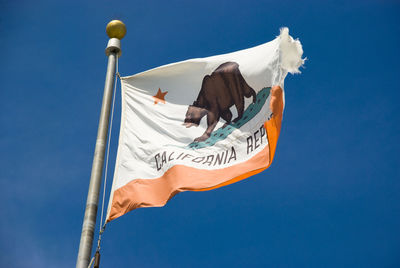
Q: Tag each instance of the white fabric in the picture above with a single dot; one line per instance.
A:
(149, 129)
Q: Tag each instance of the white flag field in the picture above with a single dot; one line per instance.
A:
(200, 124)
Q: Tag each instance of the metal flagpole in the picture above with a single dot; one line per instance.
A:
(116, 31)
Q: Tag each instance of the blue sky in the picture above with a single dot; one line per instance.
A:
(330, 199)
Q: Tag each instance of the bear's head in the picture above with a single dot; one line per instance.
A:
(194, 115)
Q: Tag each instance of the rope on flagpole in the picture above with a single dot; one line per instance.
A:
(96, 257)
(91, 262)
(108, 147)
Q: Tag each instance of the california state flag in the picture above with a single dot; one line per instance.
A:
(200, 124)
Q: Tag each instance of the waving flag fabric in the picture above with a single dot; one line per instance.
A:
(200, 124)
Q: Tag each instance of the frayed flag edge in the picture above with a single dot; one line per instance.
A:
(291, 52)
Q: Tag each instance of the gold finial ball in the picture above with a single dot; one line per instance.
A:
(116, 29)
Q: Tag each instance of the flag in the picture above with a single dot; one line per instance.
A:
(200, 124)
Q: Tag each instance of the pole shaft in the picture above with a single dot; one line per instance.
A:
(89, 221)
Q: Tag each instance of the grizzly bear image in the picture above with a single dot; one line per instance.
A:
(219, 91)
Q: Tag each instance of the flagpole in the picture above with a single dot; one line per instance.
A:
(116, 31)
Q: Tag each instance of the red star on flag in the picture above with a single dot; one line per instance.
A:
(159, 97)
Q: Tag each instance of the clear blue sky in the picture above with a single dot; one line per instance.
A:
(330, 199)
